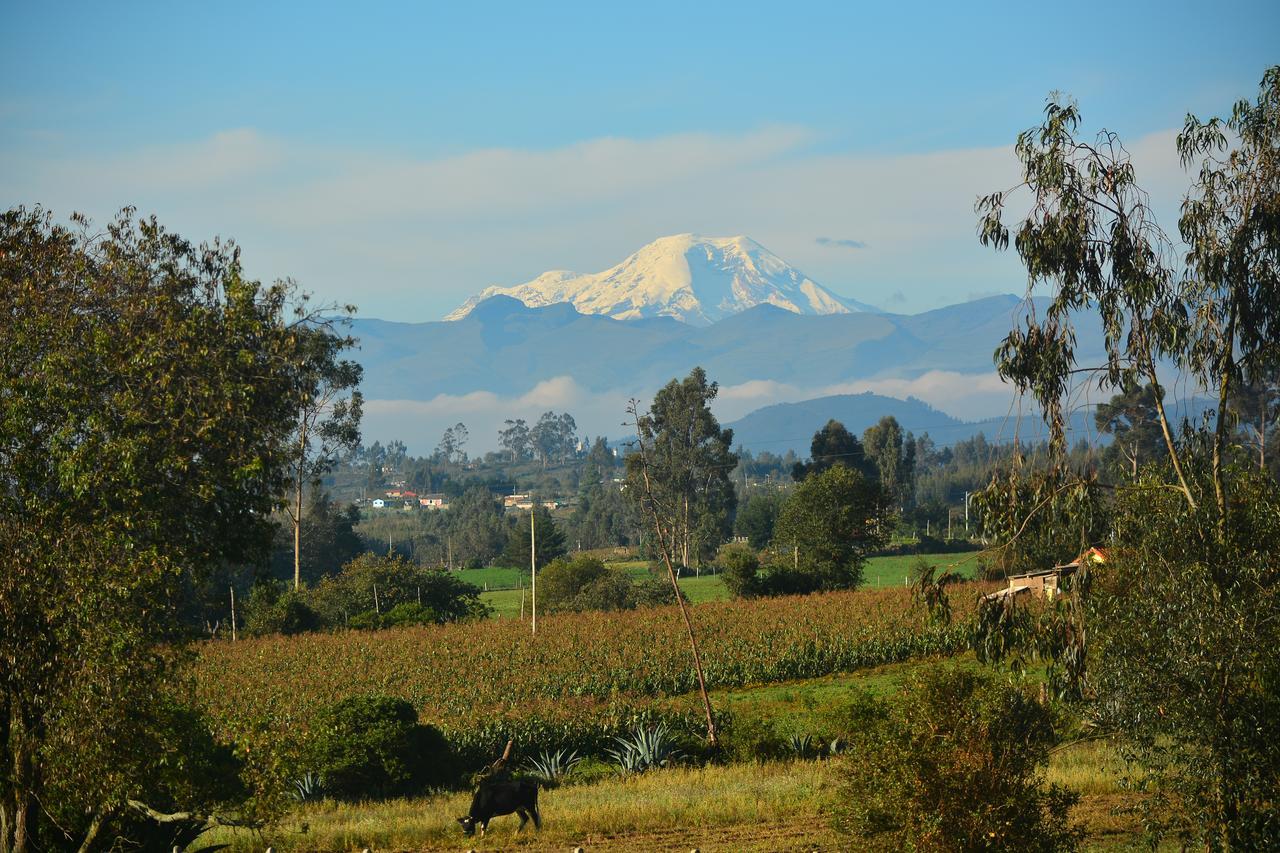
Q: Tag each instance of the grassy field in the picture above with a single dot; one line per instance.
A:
(880, 572)
(769, 806)
(747, 807)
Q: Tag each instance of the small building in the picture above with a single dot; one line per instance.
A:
(379, 503)
(435, 501)
(509, 501)
(1048, 583)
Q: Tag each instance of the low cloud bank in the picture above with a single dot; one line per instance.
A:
(420, 423)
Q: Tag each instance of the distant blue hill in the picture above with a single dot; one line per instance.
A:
(505, 347)
(790, 426)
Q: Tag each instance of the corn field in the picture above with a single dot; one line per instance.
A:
(583, 680)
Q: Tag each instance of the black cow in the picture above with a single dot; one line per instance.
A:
(495, 797)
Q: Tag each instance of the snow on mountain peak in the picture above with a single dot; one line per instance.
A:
(696, 279)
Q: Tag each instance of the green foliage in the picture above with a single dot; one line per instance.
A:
(930, 589)
(273, 609)
(369, 747)
(833, 445)
(655, 591)
(389, 590)
(1037, 519)
(645, 749)
(739, 567)
(327, 411)
(1133, 420)
(329, 541)
(892, 458)
(148, 396)
(832, 521)
(1184, 630)
(548, 539)
(551, 768)
(952, 765)
(584, 583)
(1178, 616)
(751, 737)
(757, 516)
(678, 476)
(561, 581)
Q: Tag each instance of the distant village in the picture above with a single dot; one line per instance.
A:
(402, 498)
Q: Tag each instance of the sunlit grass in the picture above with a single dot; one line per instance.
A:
(695, 805)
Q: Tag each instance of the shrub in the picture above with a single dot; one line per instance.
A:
(373, 746)
(654, 591)
(561, 581)
(739, 568)
(747, 737)
(585, 583)
(611, 591)
(372, 582)
(274, 609)
(953, 766)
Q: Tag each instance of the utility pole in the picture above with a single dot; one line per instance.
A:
(233, 613)
(967, 495)
(533, 567)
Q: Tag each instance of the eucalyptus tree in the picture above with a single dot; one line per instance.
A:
(678, 479)
(329, 407)
(1182, 619)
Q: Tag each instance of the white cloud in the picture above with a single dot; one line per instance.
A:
(420, 423)
(411, 238)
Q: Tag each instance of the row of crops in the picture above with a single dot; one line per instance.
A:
(583, 679)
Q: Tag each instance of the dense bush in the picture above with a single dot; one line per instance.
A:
(275, 609)
(739, 567)
(373, 746)
(655, 591)
(952, 765)
(585, 583)
(380, 584)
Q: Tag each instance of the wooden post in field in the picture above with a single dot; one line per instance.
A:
(233, 613)
(522, 604)
(377, 608)
(533, 566)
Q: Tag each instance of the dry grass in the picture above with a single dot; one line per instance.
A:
(1093, 770)
(742, 807)
(739, 807)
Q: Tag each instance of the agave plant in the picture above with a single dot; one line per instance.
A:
(308, 787)
(645, 749)
(801, 746)
(552, 767)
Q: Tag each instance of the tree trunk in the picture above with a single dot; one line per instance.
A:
(1262, 438)
(19, 835)
(667, 543)
(1168, 435)
(1220, 428)
(92, 835)
(297, 507)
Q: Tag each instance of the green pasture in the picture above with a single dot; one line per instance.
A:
(879, 572)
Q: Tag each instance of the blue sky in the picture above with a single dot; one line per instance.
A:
(403, 156)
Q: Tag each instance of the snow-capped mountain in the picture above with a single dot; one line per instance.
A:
(697, 280)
